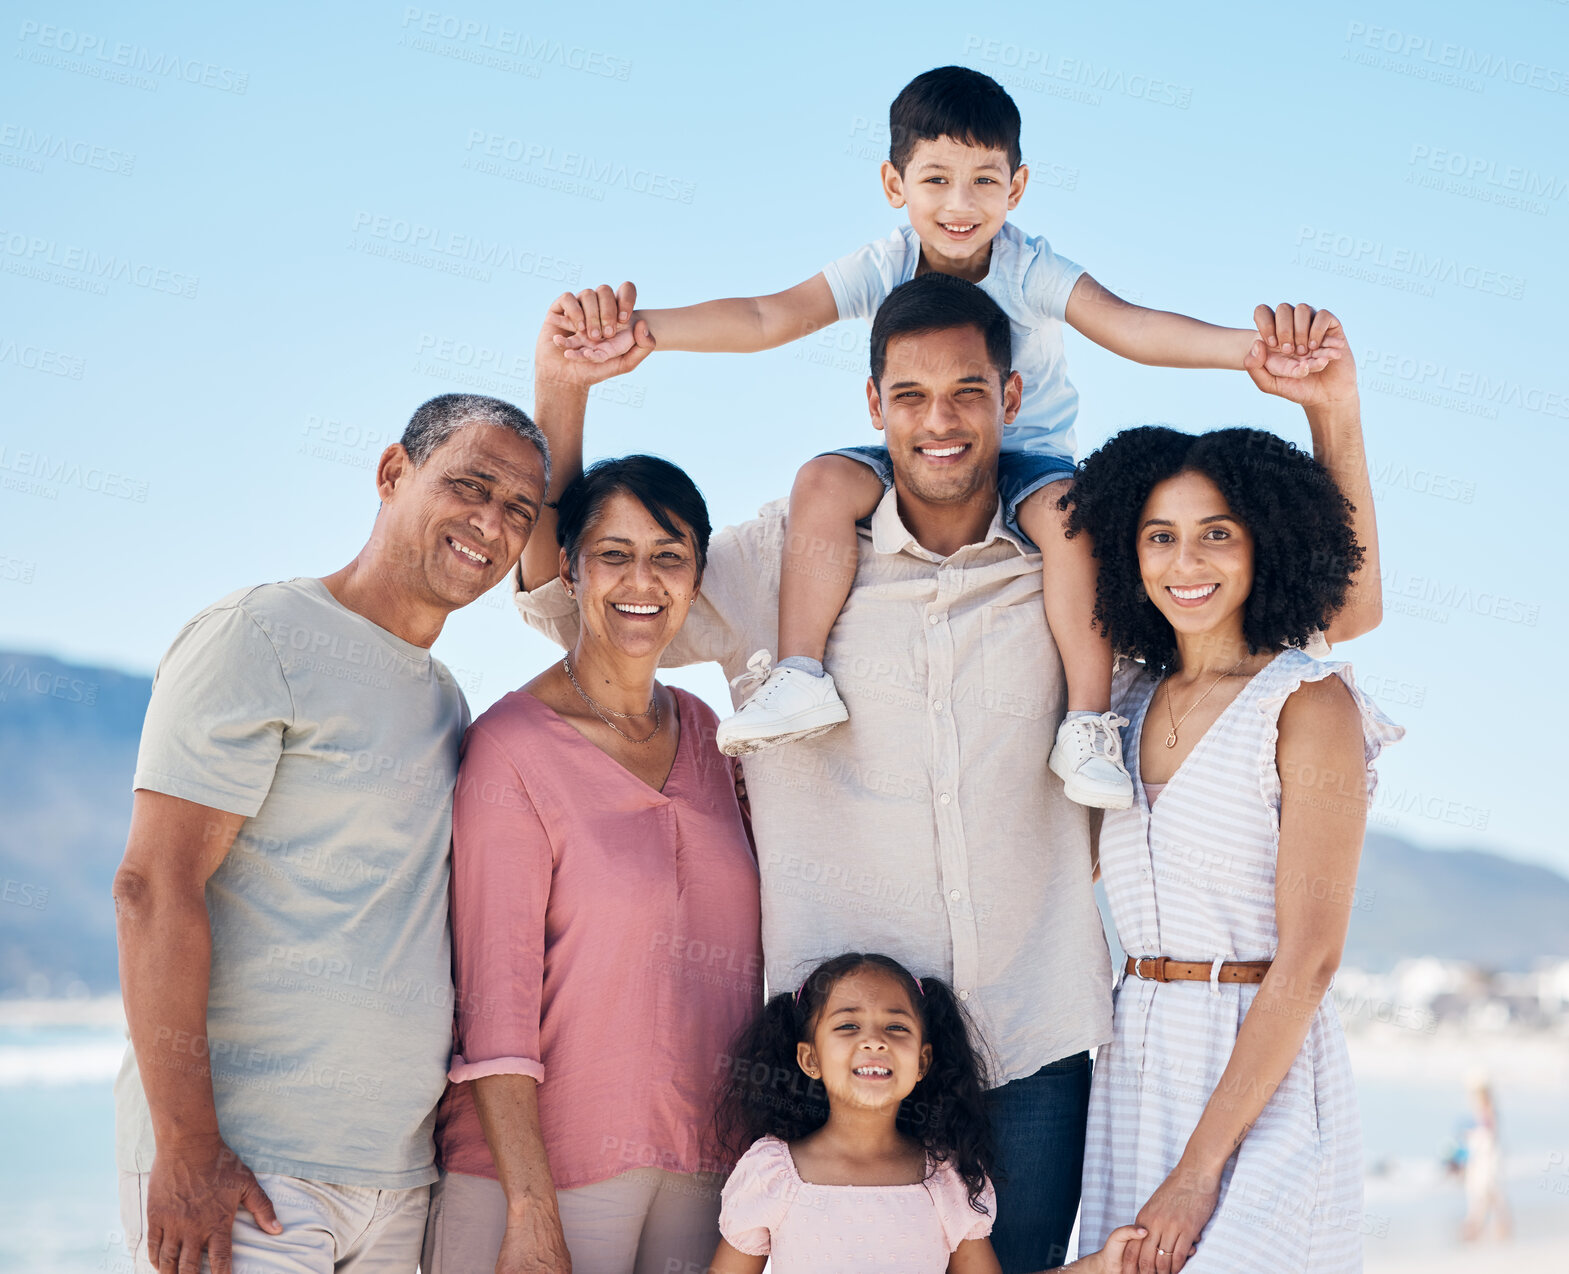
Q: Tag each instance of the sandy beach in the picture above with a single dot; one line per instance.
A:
(1529, 1256)
(56, 1055)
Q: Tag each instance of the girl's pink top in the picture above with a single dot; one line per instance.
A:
(605, 941)
(769, 1211)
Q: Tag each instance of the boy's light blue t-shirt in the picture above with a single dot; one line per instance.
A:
(1031, 284)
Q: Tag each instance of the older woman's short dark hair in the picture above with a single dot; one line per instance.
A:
(670, 496)
(1304, 552)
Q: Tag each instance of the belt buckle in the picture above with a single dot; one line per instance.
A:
(1160, 968)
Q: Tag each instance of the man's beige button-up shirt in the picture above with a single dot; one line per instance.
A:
(927, 827)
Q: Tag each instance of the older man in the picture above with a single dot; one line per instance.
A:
(282, 903)
(929, 827)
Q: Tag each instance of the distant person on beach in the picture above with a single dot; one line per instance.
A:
(282, 903)
(1484, 1169)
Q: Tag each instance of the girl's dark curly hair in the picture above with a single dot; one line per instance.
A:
(765, 1092)
(1304, 552)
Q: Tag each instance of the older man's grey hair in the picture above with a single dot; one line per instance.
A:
(441, 417)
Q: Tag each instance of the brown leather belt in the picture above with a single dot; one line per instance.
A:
(1160, 969)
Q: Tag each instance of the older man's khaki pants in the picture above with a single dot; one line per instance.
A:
(327, 1229)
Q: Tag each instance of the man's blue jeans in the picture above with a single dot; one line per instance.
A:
(1038, 1123)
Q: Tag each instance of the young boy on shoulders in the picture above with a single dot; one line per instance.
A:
(955, 164)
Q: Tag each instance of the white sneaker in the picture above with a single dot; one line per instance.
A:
(1088, 760)
(789, 705)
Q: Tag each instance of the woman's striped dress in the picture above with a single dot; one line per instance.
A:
(1194, 879)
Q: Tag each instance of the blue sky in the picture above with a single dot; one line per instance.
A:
(237, 248)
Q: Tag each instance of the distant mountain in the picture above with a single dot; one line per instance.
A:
(67, 750)
(68, 738)
(1496, 913)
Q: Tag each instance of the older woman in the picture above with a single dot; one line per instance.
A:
(1223, 1113)
(605, 923)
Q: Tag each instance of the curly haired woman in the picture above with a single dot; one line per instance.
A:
(1223, 1116)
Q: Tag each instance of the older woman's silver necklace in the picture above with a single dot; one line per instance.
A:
(600, 712)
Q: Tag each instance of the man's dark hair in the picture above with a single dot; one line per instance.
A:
(956, 102)
(934, 303)
(437, 420)
(1304, 551)
(670, 496)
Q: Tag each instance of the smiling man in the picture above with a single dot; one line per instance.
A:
(927, 827)
(282, 903)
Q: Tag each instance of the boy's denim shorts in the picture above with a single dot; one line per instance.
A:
(1019, 474)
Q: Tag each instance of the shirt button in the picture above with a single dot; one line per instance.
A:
(945, 798)
(964, 994)
(954, 894)
(934, 619)
(936, 705)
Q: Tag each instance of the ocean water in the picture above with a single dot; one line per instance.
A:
(59, 1209)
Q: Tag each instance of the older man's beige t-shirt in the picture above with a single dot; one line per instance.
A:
(329, 1011)
(928, 827)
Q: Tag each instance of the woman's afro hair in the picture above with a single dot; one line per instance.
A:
(1304, 552)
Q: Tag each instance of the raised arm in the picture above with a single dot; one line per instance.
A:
(1334, 412)
(734, 612)
(734, 325)
(165, 940)
(560, 404)
(1159, 338)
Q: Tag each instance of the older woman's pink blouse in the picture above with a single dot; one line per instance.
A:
(605, 941)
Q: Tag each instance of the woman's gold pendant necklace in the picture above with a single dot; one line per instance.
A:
(1171, 736)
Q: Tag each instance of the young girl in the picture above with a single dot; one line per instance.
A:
(861, 1094)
